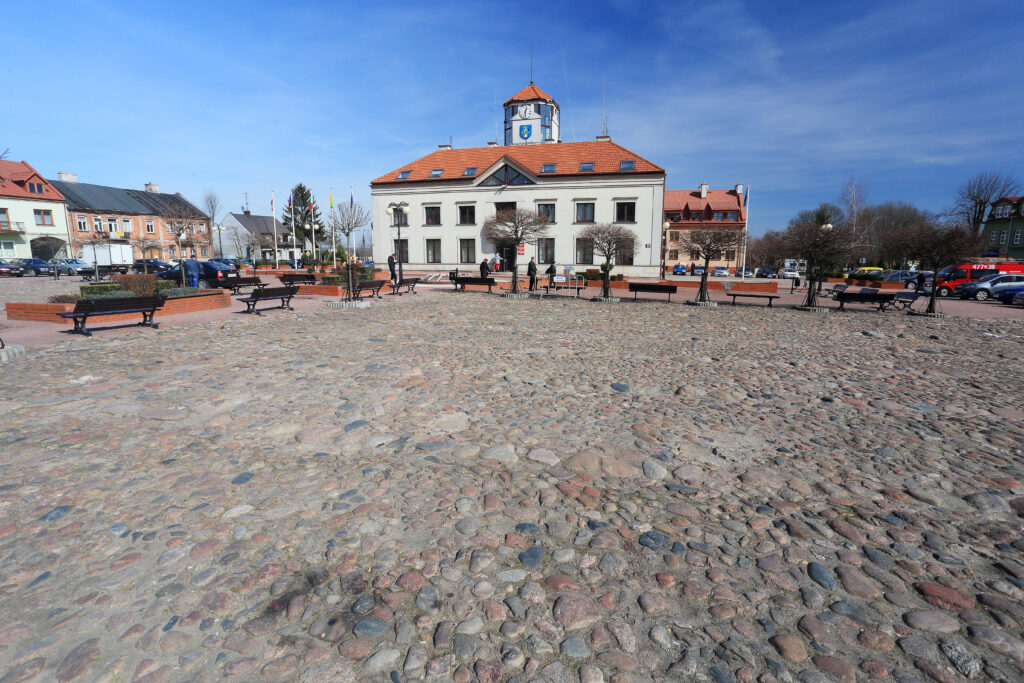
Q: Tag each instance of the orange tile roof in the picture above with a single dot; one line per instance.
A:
(15, 177)
(717, 200)
(567, 157)
(530, 92)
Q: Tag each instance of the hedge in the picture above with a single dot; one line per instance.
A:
(91, 290)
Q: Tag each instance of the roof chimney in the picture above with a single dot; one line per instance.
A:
(66, 177)
(492, 143)
(152, 187)
(739, 189)
(446, 145)
(703, 190)
(604, 137)
(246, 212)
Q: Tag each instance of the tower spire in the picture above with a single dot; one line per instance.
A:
(531, 65)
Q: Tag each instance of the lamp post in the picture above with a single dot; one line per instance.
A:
(403, 208)
(664, 236)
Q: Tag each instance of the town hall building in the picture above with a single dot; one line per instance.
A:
(440, 202)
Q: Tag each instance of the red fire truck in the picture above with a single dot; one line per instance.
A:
(950, 276)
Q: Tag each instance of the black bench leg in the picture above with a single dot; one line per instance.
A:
(82, 329)
(769, 302)
(288, 304)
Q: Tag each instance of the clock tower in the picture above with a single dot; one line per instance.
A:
(531, 117)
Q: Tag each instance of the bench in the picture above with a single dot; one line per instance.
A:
(904, 300)
(285, 294)
(236, 283)
(461, 281)
(656, 287)
(770, 297)
(84, 308)
(836, 289)
(408, 282)
(867, 295)
(372, 286)
(297, 279)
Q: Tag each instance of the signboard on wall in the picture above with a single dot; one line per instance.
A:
(521, 249)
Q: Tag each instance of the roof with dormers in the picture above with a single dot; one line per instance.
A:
(566, 157)
(15, 177)
(717, 200)
(1012, 200)
(530, 92)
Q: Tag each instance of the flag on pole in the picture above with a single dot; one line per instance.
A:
(746, 197)
(271, 203)
(289, 202)
(351, 199)
(330, 199)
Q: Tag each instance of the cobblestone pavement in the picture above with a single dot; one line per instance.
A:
(459, 487)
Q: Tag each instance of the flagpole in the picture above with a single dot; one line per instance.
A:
(746, 232)
(334, 241)
(291, 207)
(273, 219)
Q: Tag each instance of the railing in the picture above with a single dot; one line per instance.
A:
(8, 227)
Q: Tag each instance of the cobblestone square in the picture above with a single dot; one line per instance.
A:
(459, 487)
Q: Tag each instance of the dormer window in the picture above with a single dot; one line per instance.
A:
(470, 171)
(586, 166)
(436, 173)
(35, 188)
(547, 168)
(403, 175)
(627, 165)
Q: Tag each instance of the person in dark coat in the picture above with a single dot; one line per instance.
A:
(484, 270)
(551, 275)
(531, 272)
(191, 272)
(920, 280)
(391, 267)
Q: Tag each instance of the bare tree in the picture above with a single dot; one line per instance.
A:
(346, 219)
(854, 200)
(709, 244)
(611, 242)
(144, 244)
(512, 228)
(819, 242)
(935, 245)
(211, 202)
(3, 154)
(977, 194)
(768, 250)
(182, 229)
(888, 223)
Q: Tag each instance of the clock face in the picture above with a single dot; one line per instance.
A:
(524, 111)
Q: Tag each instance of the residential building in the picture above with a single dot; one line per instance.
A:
(33, 222)
(703, 208)
(249, 236)
(451, 193)
(157, 224)
(1003, 234)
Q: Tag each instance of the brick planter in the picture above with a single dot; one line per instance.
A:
(322, 290)
(208, 299)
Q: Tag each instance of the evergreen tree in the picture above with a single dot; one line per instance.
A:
(302, 199)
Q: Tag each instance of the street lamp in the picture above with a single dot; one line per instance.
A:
(403, 208)
(664, 236)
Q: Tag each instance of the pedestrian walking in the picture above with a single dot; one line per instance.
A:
(796, 284)
(531, 272)
(484, 268)
(551, 276)
(920, 280)
(191, 272)
(391, 267)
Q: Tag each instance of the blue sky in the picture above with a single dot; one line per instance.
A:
(793, 99)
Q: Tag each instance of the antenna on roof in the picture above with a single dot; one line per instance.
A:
(531, 65)
(449, 140)
(604, 108)
(246, 200)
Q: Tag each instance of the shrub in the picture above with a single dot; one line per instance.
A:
(335, 280)
(163, 285)
(63, 298)
(180, 291)
(90, 290)
(139, 284)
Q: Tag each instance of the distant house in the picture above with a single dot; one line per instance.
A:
(252, 237)
(148, 219)
(703, 208)
(33, 223)
(1003, 234)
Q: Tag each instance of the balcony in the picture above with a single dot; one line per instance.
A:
(8, 228)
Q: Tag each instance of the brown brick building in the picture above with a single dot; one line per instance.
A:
(687, 210)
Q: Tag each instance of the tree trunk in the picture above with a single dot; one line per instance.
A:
(812, 294)
(702, 291)
(515, 269)
(935, 288)
(348, 239)
(606, 279)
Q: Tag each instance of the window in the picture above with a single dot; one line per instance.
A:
(399, 217)
(586, 166)
(548, 168)
(432, 216)
(204, 250)
(719, 215)
(1002, 237)
(730, 255)
(433, 251)
(6, 248)
(624, 255)
(696, 214)
(467, 251)
(201, 228)
(126, 225)
(694, 255)
(402, 250)
(35, 188)
(507, 176)
(150, 228)
(625, 212)
(1016, 237)
(97, 224)
(546, 250)
(467, 216)
(5, 220)
(403, 175)
(585, 252)
(83, 223)
(548, 211)
(545, 111)
(627, 165)
(436, 173)
(470, 171)
(43, 217)
(585, 212)
(509, 113)
(673, 254)
(673, 236)
(992, 237)
(111, 225)
(172, 250)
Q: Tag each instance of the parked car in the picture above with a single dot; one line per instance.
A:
(9, 269)
(986, 287)
(211, 275)
(951, 276)
(788, 274)
(151, 265)
(866, 271)
(766, 272)
(746, 272)
(698, 270)
(36, 266)
(1008, 295)
(70, 266)
(679, 269)
(720, 271)
(1018, 298)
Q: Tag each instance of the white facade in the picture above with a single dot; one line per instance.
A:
(20, 224)
(644, 191)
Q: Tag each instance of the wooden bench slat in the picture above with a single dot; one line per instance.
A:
(84, 308)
